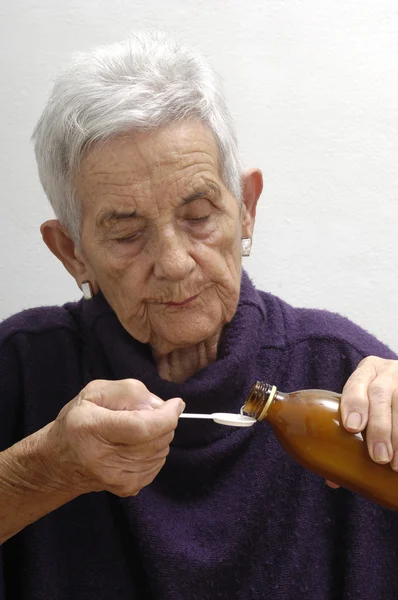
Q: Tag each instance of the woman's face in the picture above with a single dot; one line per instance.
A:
(161, 234)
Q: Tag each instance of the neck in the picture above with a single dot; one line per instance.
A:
(180, 364)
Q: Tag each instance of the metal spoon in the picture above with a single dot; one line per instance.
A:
(222, 418)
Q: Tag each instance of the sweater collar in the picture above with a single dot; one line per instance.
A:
(221, 387)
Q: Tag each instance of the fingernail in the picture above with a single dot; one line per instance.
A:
(394, 462)
(380, 452)
(156, 402)
(354, 420)
(332, 485)
(182, 406)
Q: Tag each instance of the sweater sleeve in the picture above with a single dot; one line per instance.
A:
(10, 411)
(39, 370)
(11, 392)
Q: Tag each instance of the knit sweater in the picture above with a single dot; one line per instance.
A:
(230, 515)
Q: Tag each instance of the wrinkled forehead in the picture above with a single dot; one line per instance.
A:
(180, 154)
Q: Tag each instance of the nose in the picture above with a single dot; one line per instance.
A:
(172, 260)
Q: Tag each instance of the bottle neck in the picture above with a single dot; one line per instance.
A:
(259, 400)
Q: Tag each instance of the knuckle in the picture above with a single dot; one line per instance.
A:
(394, 436)
(148, 451)
(161, 447)
(379, 430)
(75, 425)
(90, 389)
(136, 386)
(94, 390)
(368, 360)
(367, 367)
(384, 433)
(391, 365)
(133, 488)
(372, 359)
(354, 401)
(378, 392)
(166, 452)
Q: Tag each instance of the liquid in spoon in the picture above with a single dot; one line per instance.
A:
(232, 419)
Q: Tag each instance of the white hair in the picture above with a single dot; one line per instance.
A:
(140, 84)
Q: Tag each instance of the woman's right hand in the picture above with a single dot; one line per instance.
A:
(113, 436)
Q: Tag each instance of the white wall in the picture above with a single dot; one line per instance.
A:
(313, 86)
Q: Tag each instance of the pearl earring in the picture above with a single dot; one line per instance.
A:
(87, 290)
(246, 246)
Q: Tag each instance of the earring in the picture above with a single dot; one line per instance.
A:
(87, 290)
(246, 246)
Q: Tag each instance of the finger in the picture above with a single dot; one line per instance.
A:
(150, 475)
(123, 394)
(394, 435)
(149, 449)
(332, 485)
(141, 426)
(354, 400)
(128, 486)
(379, 429)
(134, 462)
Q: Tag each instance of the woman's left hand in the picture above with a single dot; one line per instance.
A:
(370, 399)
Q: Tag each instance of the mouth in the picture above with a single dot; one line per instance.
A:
(183, 303)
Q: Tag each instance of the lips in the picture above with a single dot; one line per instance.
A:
(183, 303)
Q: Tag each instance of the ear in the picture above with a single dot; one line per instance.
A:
(252, 186)
(62, 246)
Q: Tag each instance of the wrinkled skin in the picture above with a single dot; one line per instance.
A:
(114, 436)
(161, 239)
(160, 227)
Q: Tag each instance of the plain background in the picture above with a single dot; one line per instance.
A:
(313, 87)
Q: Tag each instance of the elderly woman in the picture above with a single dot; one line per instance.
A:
(137, 154)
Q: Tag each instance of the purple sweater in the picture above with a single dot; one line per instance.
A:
(230, 516)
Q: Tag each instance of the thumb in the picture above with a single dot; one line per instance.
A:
(173, 406)
(140, 426)
(122, 394)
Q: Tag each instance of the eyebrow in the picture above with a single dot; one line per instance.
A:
(114, 216)
(201, 194)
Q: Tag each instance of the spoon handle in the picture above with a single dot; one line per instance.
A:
(195, 416)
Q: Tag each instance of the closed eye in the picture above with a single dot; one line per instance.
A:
(128, 239)
(199, 219)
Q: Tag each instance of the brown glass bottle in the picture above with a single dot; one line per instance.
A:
(307, 424)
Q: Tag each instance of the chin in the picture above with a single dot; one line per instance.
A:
(184, 337)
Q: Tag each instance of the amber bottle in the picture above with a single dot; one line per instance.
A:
(308, 426)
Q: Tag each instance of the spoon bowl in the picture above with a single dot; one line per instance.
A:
(231, 419)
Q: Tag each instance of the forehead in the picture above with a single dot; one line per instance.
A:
(174, 154)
